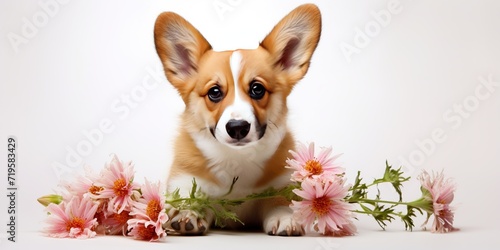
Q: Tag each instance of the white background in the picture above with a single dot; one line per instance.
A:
(379, 105)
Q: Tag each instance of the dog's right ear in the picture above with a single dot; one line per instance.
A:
(293, 40)
(180, 47)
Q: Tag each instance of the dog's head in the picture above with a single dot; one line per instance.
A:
(236, 96)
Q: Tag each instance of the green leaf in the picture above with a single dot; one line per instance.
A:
(193, 189)
(358, 190)
(393, 176)
(383, 215)
(407, 218)
(365, 208)
(221, 216)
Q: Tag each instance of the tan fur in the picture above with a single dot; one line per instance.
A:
(188, 159)
(276, 165)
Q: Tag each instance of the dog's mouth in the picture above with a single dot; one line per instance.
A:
(238, 133)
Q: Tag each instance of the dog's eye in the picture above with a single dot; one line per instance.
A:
(257, 90)
(215, 94)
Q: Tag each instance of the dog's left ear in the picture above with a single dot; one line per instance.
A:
(293, 40)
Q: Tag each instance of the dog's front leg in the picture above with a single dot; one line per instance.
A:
(187, 222)
(278, 218)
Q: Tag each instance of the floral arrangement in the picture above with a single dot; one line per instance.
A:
(111, 202)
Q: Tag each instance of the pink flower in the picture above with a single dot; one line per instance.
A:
(113, 224)
(441, 193)
(149, 213)
(142, 232)
(81, 184)
(323, 206)
(345, 230)
(74, 219)
(307, 165)
(117, 185)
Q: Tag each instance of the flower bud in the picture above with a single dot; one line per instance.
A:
(52, 198)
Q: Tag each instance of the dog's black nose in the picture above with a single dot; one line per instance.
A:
(237, 129)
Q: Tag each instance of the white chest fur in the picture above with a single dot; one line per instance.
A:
(225, 163)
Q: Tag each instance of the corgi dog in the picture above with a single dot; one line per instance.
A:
(235, 118)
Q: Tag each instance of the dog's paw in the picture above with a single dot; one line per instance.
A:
(280, 222)
(186, 222)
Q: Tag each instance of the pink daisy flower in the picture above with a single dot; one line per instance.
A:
(81, 184)
(116, 184)
(323, 206)
(74, 219)
(149, 213)
(142, 232)
(307, 165)
(345, 230)
(113, 224)
(441, 193)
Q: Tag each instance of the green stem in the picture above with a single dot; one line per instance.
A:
(277, 193)
(362, 212)
(366, 186)
(378, 201)
(421, 203)
(374, 213)
(376, 183)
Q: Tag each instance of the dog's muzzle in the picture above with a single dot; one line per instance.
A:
(239, 132)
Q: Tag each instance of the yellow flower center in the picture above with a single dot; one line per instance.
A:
(146, 233)
(76, 222)
(119, 187)
(153, 209)
(122, 217)
(321, 205)
(95, 189)
(313, 167)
